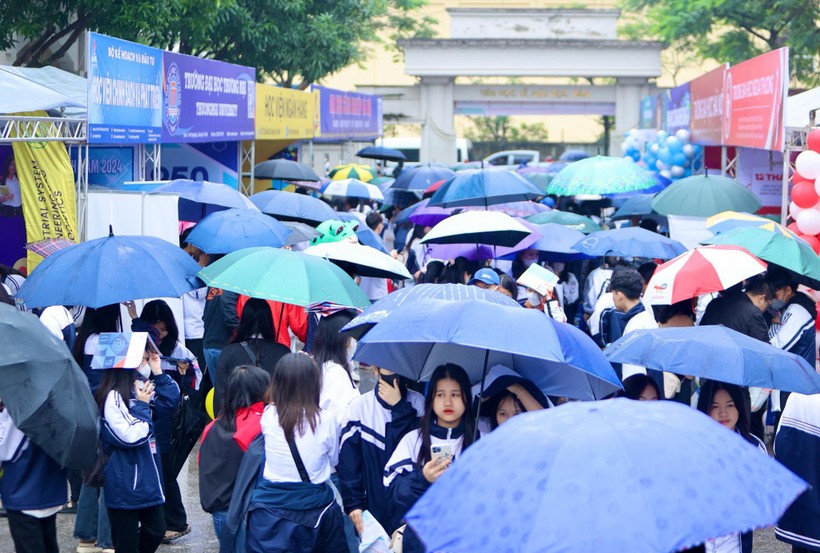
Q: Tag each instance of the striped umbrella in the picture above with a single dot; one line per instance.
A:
(728, 220)
(701, 271)
(364, 173)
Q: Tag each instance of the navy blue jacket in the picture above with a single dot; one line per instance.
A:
(250, 470)
(32, 480)
(163, 406)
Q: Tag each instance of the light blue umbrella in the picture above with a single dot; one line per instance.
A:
(556, 243)
(609, 477)
(197, 199)
(289, 206)
(421, 177)
(406, 296)
(367, 237)
(111, 270)
(484, 187)
(418, 337)
(234, 229)
(630, 242)
(717, 353)
(601, 175)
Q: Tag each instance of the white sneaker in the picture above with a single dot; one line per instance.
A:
(88, 547)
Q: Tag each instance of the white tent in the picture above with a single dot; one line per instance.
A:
(799, 106)
(65, 83)
(21, 94)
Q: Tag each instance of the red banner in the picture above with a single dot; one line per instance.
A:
(754, 100)
(706, 114)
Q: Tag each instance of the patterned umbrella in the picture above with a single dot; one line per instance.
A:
(364, 173)
(601, 175)
(48, 246)
(728, 220)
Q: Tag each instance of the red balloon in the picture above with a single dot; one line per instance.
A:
(813, 142)
(798, 178)
(813, 242)
(804, 195)
(793, 227)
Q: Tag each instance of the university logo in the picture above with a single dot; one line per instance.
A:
(173, 98)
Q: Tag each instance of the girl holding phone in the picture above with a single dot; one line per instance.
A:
(423, 455)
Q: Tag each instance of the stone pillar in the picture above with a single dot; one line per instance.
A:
(438, 137)
(628, 94)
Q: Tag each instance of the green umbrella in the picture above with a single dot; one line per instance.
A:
(775, 247)
(601, 175)
(704, 196)
(541, 180)
(284, 276)
(567, 219)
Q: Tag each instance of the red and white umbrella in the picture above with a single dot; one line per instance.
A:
(701, 271)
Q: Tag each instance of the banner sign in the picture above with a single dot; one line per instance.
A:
(12, 227)
(647, 112)
(47, 184)
(706, 120)
(754, 101)
(349, 115)
(214, 162)
(206, 100)
(108, 166)
(283, 113)
(124, 91)
(761, 172)
(677, 108)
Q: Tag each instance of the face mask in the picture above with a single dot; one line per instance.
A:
(534, 298)
(777, 305)
(559, 268)
(528, 261)
(391, 380)
(145, 370)
(351, 349)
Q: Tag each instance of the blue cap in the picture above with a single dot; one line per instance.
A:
(487, 276)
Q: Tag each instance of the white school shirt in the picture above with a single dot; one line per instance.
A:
(318, 449)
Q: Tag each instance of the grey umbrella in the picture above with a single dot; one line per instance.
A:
(284, 169)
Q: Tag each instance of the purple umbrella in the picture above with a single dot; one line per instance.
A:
(479, 252)
(429, 216)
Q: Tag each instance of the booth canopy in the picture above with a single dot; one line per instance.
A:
(28, 89)
(799, 106)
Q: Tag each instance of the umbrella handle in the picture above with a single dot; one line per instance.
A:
(481, 393)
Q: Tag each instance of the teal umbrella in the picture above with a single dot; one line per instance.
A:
(775, 247)
(284, 276)
(704, 196)
(567, 219)
(601, 175)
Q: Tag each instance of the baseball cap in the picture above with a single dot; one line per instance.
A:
(487, 276)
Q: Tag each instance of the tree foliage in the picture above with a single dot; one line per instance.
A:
(501, 130)
(292, 41)
(733, 30)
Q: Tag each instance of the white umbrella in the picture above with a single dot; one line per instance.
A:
(361, 260)
(353, 188)
(478, 227)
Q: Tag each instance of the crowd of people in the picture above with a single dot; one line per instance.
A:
(302, 457)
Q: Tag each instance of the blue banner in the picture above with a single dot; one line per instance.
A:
(124, 91)
(109, 167)
(349, 115)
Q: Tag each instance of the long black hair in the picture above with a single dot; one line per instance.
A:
(120, 380)
(247, 384)
(96, 321)
(329, 344)
(294, 391)
(635, 384)
(156, 311)
(256, 320)
(454, 372)
(708, 390)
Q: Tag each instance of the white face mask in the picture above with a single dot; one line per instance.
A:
(534, 298)
(145, 370)
(528, 261)
(351, 349)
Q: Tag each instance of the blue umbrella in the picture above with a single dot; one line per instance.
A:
(289, 206)
(556, 243)
(111, 270)
(484, 187)
(380, 152)
(404, 215)
(609, 477)
(421, 177)
(197, 199)
(717, 353)
(418, 337)
(630, 242)
(574, 155)
(234, 229)
(445, 292)
(367, 237)
(639, 205)
(579, 349)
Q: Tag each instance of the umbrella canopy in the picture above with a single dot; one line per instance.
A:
(701, 271)
(380, 152)
(403, 216)
(775, 247)
(369, 238)
(284, 276)
(567, 219)
(639, 205)
(630, 242)
(111, 270)
(45, 248)
(428, 215)
(540, 179)
(728, 220)
(480, 252)
(600, 175)
(288, 206)
(353, 188)
(704, 196)
(478, 227)
(199, 198)
(361, 260)
(574, 155)
(717, 353)
(363, 173)
(299, 232)
(284, 169)
(609, 477)
(418, 337)
(234, 229)
(557, 242)
(484, 187)
(443, 292)
(421, 177)
(45, 391)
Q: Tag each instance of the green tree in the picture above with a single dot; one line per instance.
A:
(501, 131)
(733, 30)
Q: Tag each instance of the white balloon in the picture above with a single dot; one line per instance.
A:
(808, 222)
(795, 210)
(808, 164)
(677, 171)
(817, 186)
(624, 147)
(665, 173)
(632, 132)
(661, 135)
(661, 166)
(683, 135)
(655, 148)
(689, 151)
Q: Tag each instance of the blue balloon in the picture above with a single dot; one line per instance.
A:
(679, 159)
(665, 155)
(674, 144)
(635, 154)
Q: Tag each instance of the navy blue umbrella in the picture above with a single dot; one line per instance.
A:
(639, 205)
(380, 152)
(289, 206)
(234, 229)
(421, 177)
(111, 270)
(630, 242)
(574, 155)
(484, 187)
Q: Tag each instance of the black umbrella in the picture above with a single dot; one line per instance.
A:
(189, 420)
(45, 391)
(380, 152)
(284, 169)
